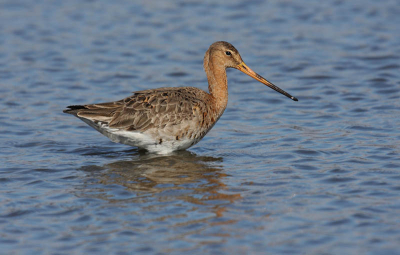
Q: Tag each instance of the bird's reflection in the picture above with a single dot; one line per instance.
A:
(180, 176)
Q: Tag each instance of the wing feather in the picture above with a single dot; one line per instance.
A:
(146, 109)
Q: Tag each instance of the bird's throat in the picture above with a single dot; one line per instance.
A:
(217, 83)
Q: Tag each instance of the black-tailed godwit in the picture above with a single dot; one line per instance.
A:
(168, 119)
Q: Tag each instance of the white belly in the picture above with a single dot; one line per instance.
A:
(143, 140)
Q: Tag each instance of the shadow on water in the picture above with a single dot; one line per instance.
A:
(182, 176)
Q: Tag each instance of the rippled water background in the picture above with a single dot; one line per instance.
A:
(318, 176)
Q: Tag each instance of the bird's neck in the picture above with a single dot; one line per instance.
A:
(217, 82)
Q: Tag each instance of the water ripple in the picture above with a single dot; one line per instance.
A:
(272, 175)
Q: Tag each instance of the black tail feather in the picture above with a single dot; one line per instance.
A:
(73, 109)
(76, 107)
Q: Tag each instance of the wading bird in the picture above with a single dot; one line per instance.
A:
(168, 119)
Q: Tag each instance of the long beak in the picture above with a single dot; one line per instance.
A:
(245, 69)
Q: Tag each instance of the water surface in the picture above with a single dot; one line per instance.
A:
(318, 176)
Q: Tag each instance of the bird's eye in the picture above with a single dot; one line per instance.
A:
(228, 53)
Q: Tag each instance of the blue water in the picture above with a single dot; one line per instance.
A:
(318, 176)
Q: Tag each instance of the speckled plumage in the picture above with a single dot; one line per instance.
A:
(168, 119)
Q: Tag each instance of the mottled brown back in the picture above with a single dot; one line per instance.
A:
(153, 108)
